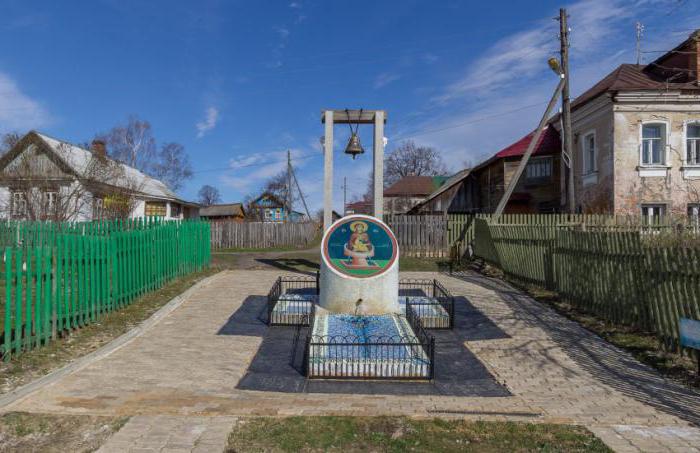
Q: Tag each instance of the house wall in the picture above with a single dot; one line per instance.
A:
(674, 186)
(491, 188)
(543, 193)
(594, 191)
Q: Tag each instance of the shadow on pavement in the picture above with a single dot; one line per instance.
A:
(611, 365)
(277, 365)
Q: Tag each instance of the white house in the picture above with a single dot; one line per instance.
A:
(42, 178)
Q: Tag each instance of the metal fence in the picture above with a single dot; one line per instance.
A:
(430, 300)
(396, 357)
(291, 291)
(258, 235)
(64, 280)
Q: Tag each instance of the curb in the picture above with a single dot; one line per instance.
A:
(24, 391)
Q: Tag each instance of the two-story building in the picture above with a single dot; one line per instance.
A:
(636, 138)
(42, 178)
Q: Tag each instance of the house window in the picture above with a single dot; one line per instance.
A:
(268, 214)
(98, 208)
(175, 210)
(540, 168)
(19, 204)
(155, 209)
(653, 144)
(589, 154)
(692, 156)
(653, 213)
(694, 213)
(50, 203)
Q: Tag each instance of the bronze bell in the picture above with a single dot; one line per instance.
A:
(354, 147)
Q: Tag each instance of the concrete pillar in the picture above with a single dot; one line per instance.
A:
(328, 171)
(378, 156)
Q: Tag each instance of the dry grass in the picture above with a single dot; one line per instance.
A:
(21, 431)
(400, 434)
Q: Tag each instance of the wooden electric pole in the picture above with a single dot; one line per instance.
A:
(566, 106)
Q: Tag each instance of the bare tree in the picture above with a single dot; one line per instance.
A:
(134, 144)
(100, 188)
(277, 185)
(411, 160)
(8, 140)
(172, 166)
(209, 195)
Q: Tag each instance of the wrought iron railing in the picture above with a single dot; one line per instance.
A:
(289, 291)
(437, 310)
(395, 357)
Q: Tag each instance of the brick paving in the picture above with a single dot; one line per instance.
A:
(185, 372)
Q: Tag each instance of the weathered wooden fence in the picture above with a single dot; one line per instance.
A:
(629, 276)
(420, 236)
(257, 235)
(73, 279)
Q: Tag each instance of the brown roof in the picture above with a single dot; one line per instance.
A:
(412, 186)
(222, 210)
(630, 77)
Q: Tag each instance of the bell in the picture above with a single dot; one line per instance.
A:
(354, 147)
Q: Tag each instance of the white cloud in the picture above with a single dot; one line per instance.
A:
(251, 171)
(384, 79)
(521, 56)
(18, 110)
(295, 5)
(209, 123)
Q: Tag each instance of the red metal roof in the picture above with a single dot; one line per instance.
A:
(548, 144)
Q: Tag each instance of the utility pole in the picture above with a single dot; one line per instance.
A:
(566, 105)
(640, 30)
(301, 194)
(289, 184)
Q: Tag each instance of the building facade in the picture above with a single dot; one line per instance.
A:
(42, 178)
(636, 137)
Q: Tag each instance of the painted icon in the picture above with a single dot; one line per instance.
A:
(360, 247)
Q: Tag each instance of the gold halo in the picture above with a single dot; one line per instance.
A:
(359, 222)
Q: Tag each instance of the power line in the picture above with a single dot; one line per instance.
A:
(472, 121)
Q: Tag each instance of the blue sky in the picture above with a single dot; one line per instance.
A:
(239, 82)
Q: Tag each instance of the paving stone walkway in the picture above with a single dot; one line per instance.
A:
(183, 379)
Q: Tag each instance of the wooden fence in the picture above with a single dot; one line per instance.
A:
(420, 236)
(72, 281)
(257, 235)
(629, 276)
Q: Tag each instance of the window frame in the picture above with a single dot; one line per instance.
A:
(646, 218)
(665, 137)
(584, 151)
(50, 202)
(14, 212)
(539, 160)
(693, 211)
(162, 206)
(98, 207)
(686, 124)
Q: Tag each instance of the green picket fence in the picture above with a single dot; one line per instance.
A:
(74, 279)
(630, 276)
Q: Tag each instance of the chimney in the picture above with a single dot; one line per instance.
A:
(99, 148)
